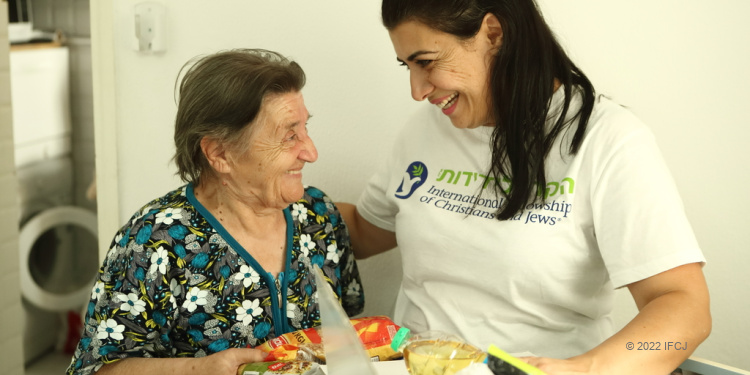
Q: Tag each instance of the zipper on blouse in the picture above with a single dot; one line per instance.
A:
(278, 289)
(279, 312)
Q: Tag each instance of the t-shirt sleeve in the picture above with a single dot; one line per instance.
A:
(376, 204)
(639, 219)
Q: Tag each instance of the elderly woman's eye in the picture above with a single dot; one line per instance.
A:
(423, 63)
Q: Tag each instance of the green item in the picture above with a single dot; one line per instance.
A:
(400, 338)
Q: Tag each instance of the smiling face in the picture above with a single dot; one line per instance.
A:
(447, 71)
(269, 173)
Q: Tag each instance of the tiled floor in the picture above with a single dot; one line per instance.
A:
(52, 364)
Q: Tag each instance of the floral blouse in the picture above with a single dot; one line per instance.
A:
(176, 284)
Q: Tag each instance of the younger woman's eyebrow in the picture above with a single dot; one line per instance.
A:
(414, 56)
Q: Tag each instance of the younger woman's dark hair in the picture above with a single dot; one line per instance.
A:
(521, 86)
(219, 97)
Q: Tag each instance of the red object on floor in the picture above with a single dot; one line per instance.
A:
(75, 327)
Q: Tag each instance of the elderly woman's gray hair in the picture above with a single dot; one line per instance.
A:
(219, 97)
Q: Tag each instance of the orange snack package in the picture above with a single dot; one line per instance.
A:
(375, 333)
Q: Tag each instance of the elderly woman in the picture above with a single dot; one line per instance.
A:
(223, 262)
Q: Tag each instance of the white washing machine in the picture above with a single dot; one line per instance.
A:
(57, 242)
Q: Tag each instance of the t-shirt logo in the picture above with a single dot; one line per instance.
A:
(414, 176)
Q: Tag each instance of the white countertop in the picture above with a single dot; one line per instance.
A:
(386, 368)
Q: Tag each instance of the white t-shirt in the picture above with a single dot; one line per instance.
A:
(543, 281)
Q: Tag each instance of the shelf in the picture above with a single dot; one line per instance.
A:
(31, 46)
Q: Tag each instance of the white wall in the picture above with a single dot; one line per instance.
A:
(681, 66)
(72, 18)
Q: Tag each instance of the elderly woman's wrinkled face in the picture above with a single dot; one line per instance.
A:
(271, 170)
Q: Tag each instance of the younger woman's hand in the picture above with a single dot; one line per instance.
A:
(552, 366)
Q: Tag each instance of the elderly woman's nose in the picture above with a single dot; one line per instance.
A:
(309, 153)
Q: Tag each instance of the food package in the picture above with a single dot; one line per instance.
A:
(301, 345)
(281, 368)
(375, 333)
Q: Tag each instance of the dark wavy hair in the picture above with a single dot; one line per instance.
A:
(521, 86)
(219, 97)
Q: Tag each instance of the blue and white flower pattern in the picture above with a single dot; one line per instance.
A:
(248, 311)
(195, 297)
(175, 283)
(248, 276)
(299, 211)
(333, 252)
(168, 216)
(97, 291)
(306, 244)
(131, 303)
(159, 261)
(109, 329)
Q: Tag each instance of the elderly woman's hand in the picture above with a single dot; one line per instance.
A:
(226, 362)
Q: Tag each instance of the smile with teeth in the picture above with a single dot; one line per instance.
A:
(448, 101)
(294, 172)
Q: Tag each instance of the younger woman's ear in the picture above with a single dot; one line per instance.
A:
(215, 154)
(493, 30)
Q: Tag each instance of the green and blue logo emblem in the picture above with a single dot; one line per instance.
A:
(414, 177)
